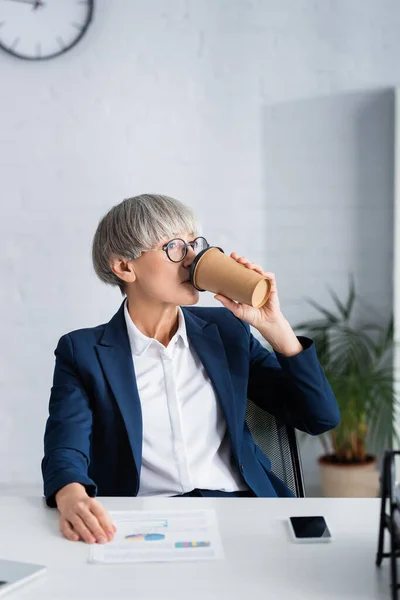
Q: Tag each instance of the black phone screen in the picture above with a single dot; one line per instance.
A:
(310, 527)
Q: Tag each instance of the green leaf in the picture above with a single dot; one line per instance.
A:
(341, 307)
(351, 298)
(357, 360)
(331, 317)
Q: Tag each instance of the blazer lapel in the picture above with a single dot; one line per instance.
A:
(115, 356)
(114, 353)
(208, 344)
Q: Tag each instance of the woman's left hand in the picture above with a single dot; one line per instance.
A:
(268, 314)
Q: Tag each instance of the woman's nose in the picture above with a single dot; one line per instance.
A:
(189, 258)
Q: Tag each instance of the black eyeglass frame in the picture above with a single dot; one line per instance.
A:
(165, 247)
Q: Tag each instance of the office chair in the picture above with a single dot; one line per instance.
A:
(278, 441)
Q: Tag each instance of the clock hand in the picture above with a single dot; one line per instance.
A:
(35, 3)
(24, 1)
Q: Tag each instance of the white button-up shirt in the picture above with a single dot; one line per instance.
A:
(185, 439)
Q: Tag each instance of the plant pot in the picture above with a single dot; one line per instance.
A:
(341, 480)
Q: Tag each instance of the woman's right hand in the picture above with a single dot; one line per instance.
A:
(83, 517)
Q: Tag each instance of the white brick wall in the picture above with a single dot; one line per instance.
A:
(329, 199)
(169, 96)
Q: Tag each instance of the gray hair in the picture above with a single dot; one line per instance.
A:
(134, 226)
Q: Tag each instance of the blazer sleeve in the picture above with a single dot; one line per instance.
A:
(293, 389)
(68, 428)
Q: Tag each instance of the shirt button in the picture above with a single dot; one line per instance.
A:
(241, 468)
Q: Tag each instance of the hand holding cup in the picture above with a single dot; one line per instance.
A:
(267, 314)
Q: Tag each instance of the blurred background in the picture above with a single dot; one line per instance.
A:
(274, 120)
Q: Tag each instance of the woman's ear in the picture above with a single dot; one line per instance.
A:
(124, 269)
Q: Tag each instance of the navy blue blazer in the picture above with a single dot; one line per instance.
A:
(94, 431)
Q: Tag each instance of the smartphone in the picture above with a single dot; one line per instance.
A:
(309, 529)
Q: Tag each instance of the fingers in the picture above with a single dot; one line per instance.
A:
(87, 520)
(80, 528)
(91, 523)
(270, 275)
(255, 267)
(224, 300)
(104, 519)
(272, 278)
(228, 303)
(83, 516)
(67, 530)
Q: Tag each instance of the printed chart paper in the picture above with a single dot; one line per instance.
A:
(154, 536)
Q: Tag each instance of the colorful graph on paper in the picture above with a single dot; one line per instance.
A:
(192, 544)
(145, 537)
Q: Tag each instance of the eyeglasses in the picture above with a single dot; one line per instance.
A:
(177, 248)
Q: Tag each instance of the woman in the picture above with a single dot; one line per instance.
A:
(153, 402)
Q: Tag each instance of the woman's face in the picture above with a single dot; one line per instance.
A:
(158, 278)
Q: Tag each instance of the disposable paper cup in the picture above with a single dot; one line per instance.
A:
(214, 271)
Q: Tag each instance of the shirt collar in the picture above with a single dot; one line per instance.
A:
(140, 343)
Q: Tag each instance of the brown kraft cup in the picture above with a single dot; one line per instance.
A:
(214, 271)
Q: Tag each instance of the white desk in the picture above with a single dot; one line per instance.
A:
(260, 561)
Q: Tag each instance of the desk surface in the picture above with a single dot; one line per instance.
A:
(260, 560)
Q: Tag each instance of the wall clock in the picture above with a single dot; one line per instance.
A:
(43, 29)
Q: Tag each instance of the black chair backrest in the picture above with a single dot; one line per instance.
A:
(278, 441)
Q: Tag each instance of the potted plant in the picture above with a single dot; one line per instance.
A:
(357, 360)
